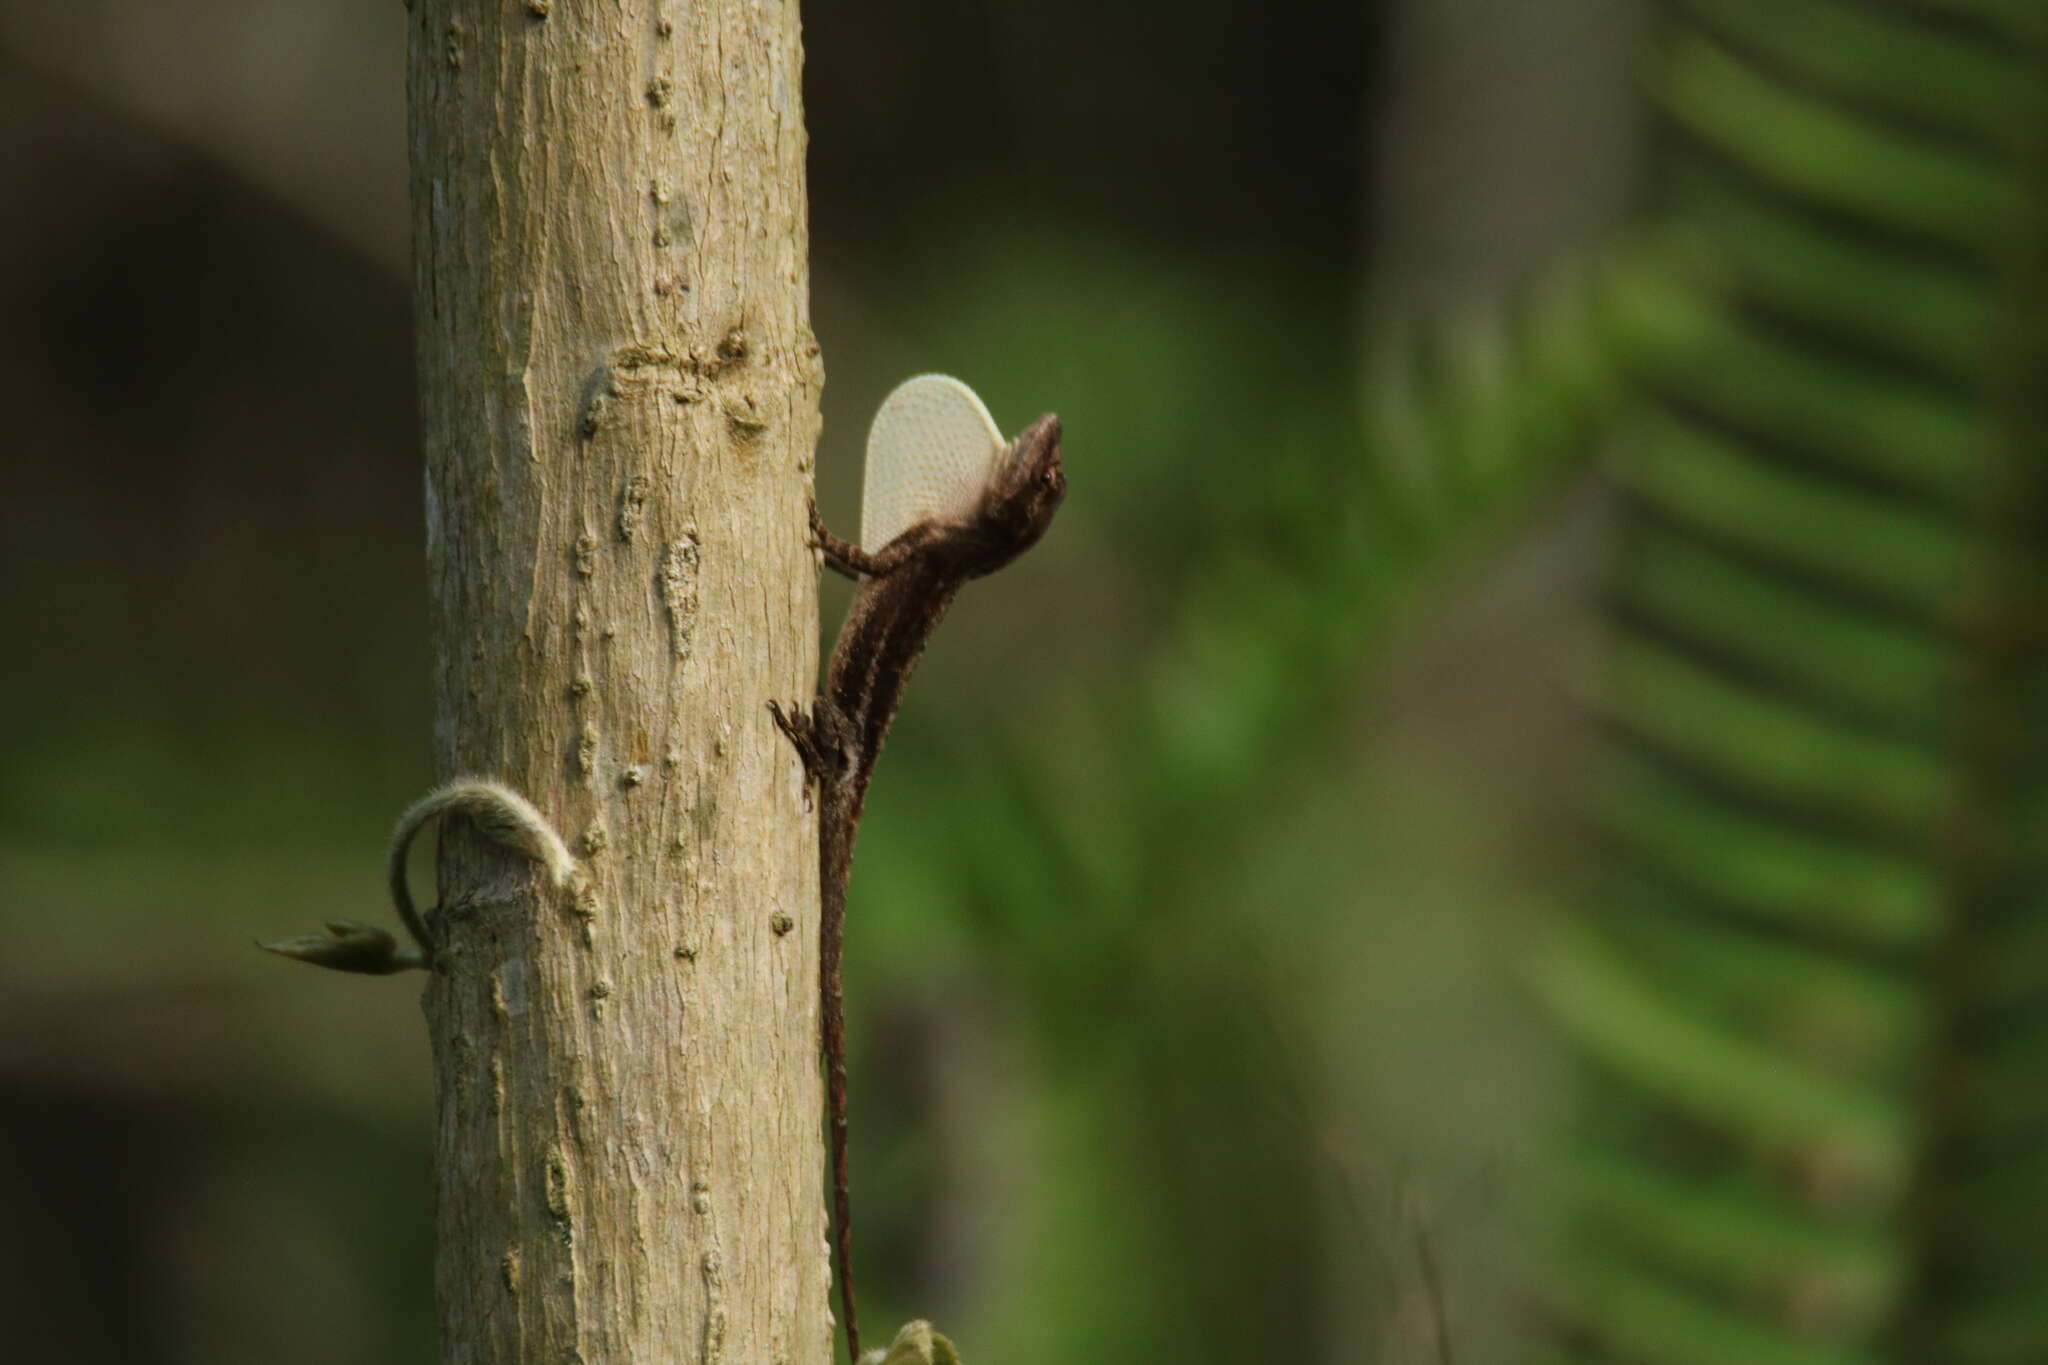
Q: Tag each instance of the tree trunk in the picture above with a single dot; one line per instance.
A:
(618, 388)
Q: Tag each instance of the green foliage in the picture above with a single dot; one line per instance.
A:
(1104, 856)
(1817, 962)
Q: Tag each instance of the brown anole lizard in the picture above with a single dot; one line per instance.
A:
(946, 500)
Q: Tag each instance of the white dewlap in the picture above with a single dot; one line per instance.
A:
(931, 452)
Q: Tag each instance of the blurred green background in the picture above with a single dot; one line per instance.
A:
(1501, 825)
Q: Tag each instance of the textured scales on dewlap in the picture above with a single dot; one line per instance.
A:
(931, 451)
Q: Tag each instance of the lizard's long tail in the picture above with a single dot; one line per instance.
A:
(832, 1010)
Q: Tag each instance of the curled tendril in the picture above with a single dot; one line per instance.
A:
(498, 813)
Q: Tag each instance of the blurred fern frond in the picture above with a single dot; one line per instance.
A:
(1107, 886)
(1467, 426)
(1818, 956)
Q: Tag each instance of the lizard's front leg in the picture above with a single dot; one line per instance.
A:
(841, 556)
(847, 559)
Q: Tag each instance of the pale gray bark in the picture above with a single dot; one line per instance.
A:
(618, 388)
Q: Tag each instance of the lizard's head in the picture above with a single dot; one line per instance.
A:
(1023, 492)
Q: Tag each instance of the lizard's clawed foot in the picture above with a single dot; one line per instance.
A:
(802, 732)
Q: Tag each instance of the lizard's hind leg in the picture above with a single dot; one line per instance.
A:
(802, 731)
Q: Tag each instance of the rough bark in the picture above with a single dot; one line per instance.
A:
(618, 389)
